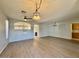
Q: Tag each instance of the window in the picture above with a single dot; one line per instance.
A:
(7, 28)
(22, 26)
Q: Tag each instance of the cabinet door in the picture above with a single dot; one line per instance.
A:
(75, 35)
(75, 29)
(75, 26)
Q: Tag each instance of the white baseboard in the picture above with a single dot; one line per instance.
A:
(11, 41)
(3, 48)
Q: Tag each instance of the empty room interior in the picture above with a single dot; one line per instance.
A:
(39, 28)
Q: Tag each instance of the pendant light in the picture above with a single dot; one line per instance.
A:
(36, 14)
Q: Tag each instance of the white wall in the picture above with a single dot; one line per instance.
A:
(19, 35)
(65, 30)
(53, 30)
(62, 30)
(43, 29)
(3, 40)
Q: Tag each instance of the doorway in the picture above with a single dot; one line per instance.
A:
(36, 31)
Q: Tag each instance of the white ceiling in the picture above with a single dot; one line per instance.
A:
(50, 9)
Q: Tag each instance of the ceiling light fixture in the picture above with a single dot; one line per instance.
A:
(36, 14)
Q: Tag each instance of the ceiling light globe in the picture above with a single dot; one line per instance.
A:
(36, 17)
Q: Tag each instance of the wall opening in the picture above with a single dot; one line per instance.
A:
(36, 31)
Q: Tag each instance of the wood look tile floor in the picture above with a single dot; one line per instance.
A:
(47, 47)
